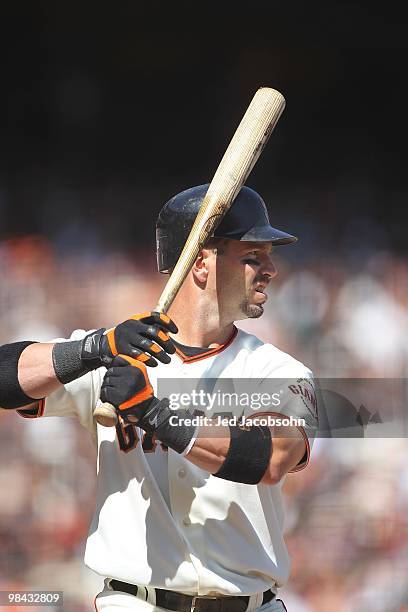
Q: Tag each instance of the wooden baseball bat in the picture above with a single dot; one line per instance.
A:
(240, 157)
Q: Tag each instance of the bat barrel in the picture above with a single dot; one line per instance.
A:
(240, 157)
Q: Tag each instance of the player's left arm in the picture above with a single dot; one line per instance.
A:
(275, 454)
(250, 454)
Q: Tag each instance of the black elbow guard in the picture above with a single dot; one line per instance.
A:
(248, 455)
(11, 394)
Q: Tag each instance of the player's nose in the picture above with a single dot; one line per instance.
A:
(268, 268)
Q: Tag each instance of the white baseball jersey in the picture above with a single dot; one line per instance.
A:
(164, 522)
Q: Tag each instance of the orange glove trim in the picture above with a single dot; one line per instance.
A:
(111, 341)
(143, 315)
(145, 393)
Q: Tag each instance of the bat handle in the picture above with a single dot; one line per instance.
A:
(105, 414)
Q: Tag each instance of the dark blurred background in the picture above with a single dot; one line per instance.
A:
(109, 109)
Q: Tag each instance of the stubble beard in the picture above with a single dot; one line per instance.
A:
(251, 311)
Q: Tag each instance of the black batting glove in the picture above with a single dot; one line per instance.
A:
(143, 337)
(127, 387)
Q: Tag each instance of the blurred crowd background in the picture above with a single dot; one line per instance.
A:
(105, 115)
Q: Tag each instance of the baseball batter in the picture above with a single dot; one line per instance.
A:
(189, 511)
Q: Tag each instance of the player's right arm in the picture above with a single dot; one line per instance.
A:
(30, 371)
(26, 373)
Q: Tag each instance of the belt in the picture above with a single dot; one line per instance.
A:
(178, 602)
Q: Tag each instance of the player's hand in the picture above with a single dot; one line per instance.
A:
(143, 337)
(126, 386)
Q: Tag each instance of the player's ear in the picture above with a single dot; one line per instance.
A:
(200, 267)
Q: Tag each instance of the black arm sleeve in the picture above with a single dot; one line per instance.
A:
(11, 394)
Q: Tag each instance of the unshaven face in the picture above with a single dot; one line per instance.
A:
(243, 270)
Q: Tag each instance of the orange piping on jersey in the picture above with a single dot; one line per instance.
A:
(38, 406)
(41, 407)
(209, 353)
(303, 464)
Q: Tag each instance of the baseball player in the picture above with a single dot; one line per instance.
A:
(189, 516)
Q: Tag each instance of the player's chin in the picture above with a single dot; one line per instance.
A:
(251, 310)
(255, 311)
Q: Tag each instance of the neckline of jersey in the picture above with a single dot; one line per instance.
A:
(209, 353)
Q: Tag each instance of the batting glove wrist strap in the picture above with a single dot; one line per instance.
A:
(167, 425)
(93, 350)
(74, 359)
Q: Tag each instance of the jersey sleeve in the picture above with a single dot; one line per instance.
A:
(75, 399)
(299, 402)
(288, 394)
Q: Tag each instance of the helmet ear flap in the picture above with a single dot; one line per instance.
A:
(164, 251)
(173, 226)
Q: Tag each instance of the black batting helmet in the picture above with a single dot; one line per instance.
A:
(247, 219)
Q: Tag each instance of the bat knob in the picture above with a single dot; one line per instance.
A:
(105, 414)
